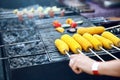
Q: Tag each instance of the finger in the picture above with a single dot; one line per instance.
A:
(76, 69)
(74, 66)
(71, 63)
(73, 56)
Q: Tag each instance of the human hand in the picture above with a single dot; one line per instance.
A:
(80, 63)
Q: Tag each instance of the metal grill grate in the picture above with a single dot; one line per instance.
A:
(31, 42)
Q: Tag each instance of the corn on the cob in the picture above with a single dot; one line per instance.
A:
(106, 42)
(73, 45)
(96, 44)
(112, 37)
(83, 42)
(61, 45)
(91, 30)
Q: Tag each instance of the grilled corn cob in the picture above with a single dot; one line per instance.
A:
(83, 42)
(112, 37)
(106, 42)
(61, 45)
(73, 45)
(91, 30)
(96, 44)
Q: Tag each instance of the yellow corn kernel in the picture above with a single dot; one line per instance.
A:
(96, 44)
(73, 45)
(106, 42)
(61, 46)
(82, 30)
(91, 30)
(83, 42)
(112, 37)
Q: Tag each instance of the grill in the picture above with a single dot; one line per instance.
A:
(28, 52)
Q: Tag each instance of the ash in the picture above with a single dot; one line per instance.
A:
(20, 36)
(28, 61)
(14, 34)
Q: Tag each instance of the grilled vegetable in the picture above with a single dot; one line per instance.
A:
(71, 30)
(91, 30)
(106, 42)
(73, 45)
(112, 37)
(61, 45)
(96, 44)
(69, 21)
(83, 42)
(56, 24)
(73, 25)
(60, 29)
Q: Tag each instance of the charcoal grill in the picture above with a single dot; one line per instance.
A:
(28, 52)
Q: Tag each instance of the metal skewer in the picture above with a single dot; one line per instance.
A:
(67, 53)
(80, 51)
(96, 55)
(109, 53)
(115, 47)
(112, 27)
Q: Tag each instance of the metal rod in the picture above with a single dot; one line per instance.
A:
(115, 47)
(67, 53)
(20, 43)
(112, 27)
(96, 55)
(109, 53)
(80, 51)
(18, 56)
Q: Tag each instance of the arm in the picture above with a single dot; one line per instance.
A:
(79, 63)
(111, 68)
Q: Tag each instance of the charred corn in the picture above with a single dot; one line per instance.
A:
(73, 45)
